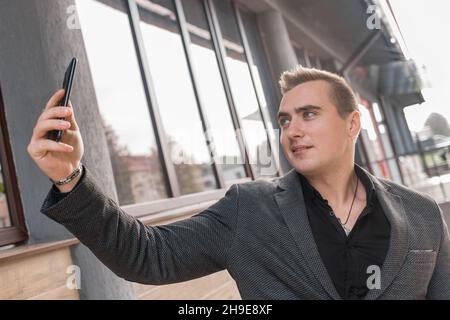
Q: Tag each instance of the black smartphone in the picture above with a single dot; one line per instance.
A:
(56, 135)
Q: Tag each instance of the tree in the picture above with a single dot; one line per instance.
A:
(438, 124)
(121, 176)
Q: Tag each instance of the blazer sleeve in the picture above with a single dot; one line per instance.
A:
(164, 254)
(439, 287)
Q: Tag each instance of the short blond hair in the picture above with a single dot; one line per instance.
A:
(341, 93)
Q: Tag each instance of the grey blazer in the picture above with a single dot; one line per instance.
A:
(259, 232)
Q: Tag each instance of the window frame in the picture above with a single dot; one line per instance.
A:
(17, 232)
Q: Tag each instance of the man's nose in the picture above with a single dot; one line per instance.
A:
(295, 130)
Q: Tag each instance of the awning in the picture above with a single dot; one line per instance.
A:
(339, 29)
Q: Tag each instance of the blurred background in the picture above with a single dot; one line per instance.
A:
(177, 100)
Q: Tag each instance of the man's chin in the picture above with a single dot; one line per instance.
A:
(304, 166)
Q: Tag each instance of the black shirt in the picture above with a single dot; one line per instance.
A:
(347, 258)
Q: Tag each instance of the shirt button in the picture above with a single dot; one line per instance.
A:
(332, 213)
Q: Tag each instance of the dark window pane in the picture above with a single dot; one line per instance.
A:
(318, 63)
(329, 65)
(212, 92)
(175, 96)
(122, 102)
(243, 91)
(307, 59)
(359, 154)
(5, 220)
(300, 56)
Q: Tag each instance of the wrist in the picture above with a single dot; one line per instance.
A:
(68, 186)
(68, 183)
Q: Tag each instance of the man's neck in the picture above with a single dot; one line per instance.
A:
(337, 184)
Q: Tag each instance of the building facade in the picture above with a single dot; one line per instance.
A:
(177, 100)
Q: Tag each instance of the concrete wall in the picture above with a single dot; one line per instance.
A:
(36, 45)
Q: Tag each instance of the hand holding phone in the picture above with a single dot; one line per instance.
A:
(58, 159)
(56, 135)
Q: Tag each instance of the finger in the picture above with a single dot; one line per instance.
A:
(60, 112)
(71, 117)
(42, 127)
(55, 99)
(56, 112)
(42, 146)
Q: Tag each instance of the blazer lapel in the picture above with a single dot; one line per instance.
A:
(399, 239)
(292, 206)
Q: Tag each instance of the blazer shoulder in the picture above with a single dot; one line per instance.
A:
(414, 199)
(259, 187)
(406, 192)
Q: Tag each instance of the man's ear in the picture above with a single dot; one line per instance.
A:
(355, 123)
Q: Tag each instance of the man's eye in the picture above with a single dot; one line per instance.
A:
(308, 114)
(283, 122)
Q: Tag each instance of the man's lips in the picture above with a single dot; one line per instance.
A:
(300, 148)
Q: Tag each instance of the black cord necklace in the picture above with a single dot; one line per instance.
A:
(347, 230)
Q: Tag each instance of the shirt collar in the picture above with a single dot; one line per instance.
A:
(309, 190)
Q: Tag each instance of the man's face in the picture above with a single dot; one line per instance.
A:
(313, 135)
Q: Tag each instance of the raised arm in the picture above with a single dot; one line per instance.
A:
(176, 252)
(164, 254)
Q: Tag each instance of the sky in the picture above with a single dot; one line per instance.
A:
(424, 25)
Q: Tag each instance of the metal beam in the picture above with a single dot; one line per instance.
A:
(360, 51)
(171, 180)
(304, 22)
(217, 169)
(220, 51)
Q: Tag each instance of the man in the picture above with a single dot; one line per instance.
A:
(328, 229)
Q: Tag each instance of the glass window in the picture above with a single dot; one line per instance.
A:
(377, 112)
(394, 170)
(175, 96)
(418, 175)
(369, 136)
(372, 144)
(242, 90)
(377, 144)
(212, 92)
(12, 224)
(5, 219)
(386, 142)
(264, 84)
(389, 153)
(121, 100)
